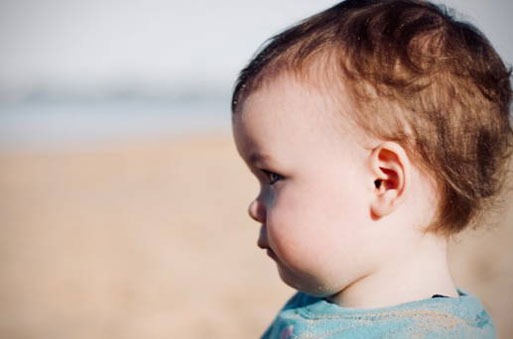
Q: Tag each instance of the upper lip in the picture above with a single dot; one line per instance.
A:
(262, 244)
(262, 239)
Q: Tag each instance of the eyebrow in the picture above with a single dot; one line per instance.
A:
(255, 158)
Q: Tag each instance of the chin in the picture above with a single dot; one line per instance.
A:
(309, 286)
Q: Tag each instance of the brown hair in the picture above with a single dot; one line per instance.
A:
(416, 76)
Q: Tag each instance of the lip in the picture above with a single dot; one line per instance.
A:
(267, 249)
(262, 241)
(271, 254)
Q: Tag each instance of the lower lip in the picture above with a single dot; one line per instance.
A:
(271, 254)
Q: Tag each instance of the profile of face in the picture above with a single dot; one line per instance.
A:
(316, 186)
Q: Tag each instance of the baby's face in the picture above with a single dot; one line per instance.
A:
(315, 186)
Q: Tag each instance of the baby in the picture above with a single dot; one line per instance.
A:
(376, 129)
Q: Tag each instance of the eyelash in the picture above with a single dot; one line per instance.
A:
(272, 177)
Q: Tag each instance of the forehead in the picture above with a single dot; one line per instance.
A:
(284, 101)
(288, 91)
(292, 109)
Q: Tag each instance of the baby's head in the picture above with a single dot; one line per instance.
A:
(370, 123)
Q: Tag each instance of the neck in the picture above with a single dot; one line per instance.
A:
(407, 275)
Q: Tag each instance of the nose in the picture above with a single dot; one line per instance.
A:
(256, 211)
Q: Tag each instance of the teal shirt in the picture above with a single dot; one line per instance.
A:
(305, 316)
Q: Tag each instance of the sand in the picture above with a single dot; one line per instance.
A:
(152, 240)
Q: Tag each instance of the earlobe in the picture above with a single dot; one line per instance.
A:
(391, 168)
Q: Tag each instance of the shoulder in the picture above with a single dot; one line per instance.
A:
(305, 316)
(462, 317)
(292, 320)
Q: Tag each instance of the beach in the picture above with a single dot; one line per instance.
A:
(151, 239)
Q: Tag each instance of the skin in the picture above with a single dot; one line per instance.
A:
(332, 231)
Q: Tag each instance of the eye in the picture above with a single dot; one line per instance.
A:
(272, 177)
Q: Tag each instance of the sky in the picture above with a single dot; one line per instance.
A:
(163, 45)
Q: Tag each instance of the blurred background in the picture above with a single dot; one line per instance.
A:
(122, 200)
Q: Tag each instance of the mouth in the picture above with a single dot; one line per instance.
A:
(262, 240)
(268, 250)
(271, 254)
(262, 243)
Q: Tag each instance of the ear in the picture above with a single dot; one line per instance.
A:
(391, 169)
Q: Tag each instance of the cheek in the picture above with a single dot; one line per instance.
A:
(286, 227)
(294, 227)
(313, 224)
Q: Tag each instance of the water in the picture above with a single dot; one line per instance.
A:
(57, 125)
